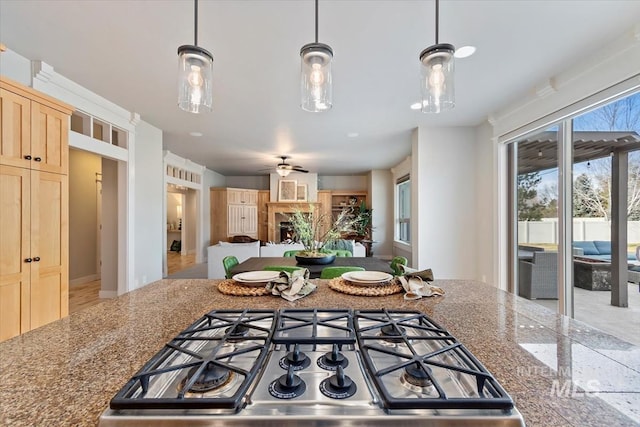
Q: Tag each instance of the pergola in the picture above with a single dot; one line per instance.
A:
(540, 152)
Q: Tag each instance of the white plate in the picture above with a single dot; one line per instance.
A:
(256, 276)
(370, 277)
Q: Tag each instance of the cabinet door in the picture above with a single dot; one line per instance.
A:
(14, 250)
(234, 197)
(250, 221)
(15, 129)
(251, 197)
(49, 139)
(234, 220)
(49, 297)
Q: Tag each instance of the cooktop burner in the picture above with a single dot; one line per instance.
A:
(330, 366)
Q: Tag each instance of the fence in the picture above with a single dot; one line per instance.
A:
(546, 230)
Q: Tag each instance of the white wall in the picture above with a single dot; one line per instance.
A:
(444, 163)
(258, 182)
(343, 182)
(485, 208)
(83, 216)
(148, 222)
(381, 201)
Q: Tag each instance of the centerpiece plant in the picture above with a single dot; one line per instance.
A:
(315, 230)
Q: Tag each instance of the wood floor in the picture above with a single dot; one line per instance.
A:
(86, 295)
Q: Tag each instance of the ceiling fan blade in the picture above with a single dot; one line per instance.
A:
(299, 169)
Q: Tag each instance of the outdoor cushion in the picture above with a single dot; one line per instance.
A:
(588, 246)
(604, 247)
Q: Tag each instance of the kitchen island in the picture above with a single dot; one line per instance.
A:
(66, 372)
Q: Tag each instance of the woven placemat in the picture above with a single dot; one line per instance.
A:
(231, 287)
(341, 285)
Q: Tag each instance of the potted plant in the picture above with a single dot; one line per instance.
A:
(315, 230)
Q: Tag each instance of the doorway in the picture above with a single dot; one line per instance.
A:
(181, 228)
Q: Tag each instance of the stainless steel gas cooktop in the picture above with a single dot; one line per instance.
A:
(320, 367)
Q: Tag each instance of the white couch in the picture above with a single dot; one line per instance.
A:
(243, 251)
(216, 253)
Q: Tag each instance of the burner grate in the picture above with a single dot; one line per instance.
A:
(315, 326)
(227, 341)
(407, 347)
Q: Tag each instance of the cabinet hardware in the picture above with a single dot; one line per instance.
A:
(27, 157)
(37, 159)
(28, 260)
(36, 259)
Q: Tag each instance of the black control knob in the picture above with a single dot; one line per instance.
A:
(340, 381)
(288, 386)
(296, 359)
(290, 380)
(330, 361)
(338, 386)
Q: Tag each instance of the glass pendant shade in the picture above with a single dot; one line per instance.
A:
(437, 86)
(195, 77)
(283, 172)
(315, 77)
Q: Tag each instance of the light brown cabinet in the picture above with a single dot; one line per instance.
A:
(234, 211)
(263, 221)
(34, 283)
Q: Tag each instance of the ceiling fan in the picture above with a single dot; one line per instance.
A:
(283, 168)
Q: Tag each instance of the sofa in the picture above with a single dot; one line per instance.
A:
(215, 253)
(243, 251)
(597, 250)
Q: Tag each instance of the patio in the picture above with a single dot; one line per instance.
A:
(595, 309)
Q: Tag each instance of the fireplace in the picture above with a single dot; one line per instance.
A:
(278, 212)
(286, 231)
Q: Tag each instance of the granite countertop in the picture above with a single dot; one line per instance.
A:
(66, 372)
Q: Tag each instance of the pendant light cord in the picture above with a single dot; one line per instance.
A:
(316, 21)
(195, 25)
(437, 18)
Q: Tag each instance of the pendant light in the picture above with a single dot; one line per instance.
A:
(195, 69)
(437, 67)
(315, 75)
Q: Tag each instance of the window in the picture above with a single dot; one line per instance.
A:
(403, 192)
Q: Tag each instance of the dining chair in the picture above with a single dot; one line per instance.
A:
(287, 268)
(396, 262)
(339, 252)
(291, 253)
(331, 272)
(228, 263)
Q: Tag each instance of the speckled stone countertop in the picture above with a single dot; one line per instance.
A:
(66, 372)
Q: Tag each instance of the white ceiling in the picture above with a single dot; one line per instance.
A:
(125, 51)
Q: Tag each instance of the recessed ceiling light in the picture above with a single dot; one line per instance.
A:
(416, 105)
(195, 133)
(464, 51)
(353, 134)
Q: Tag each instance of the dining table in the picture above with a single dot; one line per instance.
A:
(258, 263)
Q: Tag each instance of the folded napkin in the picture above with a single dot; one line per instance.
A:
(416, 283)
(292, 286)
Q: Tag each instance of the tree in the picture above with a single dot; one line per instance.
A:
(530, 208)
(622, 115)
(587, 203)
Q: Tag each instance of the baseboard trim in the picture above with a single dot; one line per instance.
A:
(107, 294)
(83, 280)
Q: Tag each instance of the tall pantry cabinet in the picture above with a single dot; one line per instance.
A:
(34, 235)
